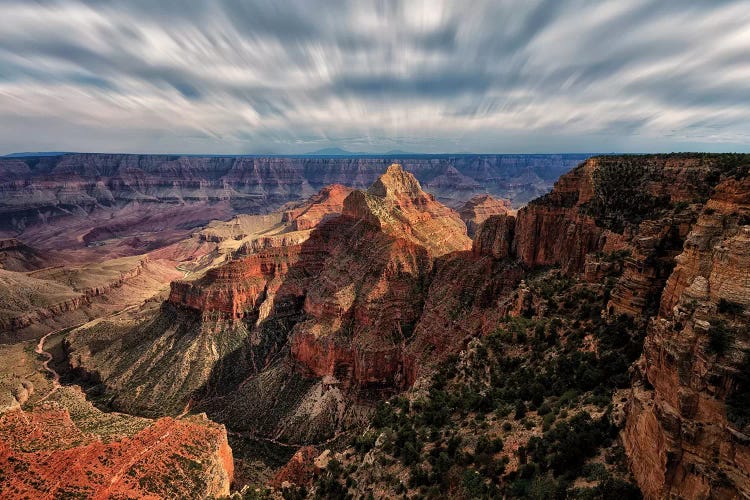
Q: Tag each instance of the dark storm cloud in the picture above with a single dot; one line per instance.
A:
(295, 75)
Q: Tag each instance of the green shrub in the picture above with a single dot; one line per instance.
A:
(729, 307)
(738, 402)
(720, 338)
(366, 441)
(520, 410)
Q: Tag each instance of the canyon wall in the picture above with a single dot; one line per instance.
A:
(371, 295)
(675, 229)
(39, 190)
(686, 430)
(685, 420)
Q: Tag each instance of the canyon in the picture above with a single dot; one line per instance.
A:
(292, 326)
(98, 201)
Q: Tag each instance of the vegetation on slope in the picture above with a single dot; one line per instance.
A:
(523, 412)
(624, 186)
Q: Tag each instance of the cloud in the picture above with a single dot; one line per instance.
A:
(235, 76)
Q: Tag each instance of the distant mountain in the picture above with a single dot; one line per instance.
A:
(344, 152)
(334, 152)
(38, 153)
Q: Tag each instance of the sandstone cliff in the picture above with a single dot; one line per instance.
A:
(686, 429)
(480, 208)
(346, 295)
(643, 206)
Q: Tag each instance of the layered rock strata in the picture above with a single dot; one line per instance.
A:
(480, 208)
(683, 434)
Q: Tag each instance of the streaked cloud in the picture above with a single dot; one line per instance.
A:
(434, 76)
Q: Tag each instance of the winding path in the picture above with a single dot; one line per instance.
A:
(55, 376)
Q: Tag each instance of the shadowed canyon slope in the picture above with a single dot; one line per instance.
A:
(623, 294)
(341, 299)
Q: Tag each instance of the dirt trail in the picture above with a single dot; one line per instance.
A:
(55, 376)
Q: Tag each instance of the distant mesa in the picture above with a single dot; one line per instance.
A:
(36, 153)
(344, 152)
(333, 152)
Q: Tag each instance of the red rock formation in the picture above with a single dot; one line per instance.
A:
(679, 440)
(652, 249)
(329, 202)
(358, 275)
(495, 237)
(368, 293)
(644, 205)
(238, 288)
(480, 208)
(44, 454)
(466, 298)
(397, 205)
(299, 471)
(553, 230)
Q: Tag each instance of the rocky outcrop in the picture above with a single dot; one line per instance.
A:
(238, 288)
(641, 205)
(16, 256)
(369, 296)
(299, 471)
(260, 264)
(85, 297)
(553, 230)
(685, 431)
(495, 237)
(329, 202)
(51, 457)
(651, 251)
(479, 208)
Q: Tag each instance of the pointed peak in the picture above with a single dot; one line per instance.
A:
(395, 168)
(395, 181)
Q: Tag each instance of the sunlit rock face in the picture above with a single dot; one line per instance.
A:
(479, 208)
(53, 456)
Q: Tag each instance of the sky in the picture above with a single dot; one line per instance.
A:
(278, 76)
